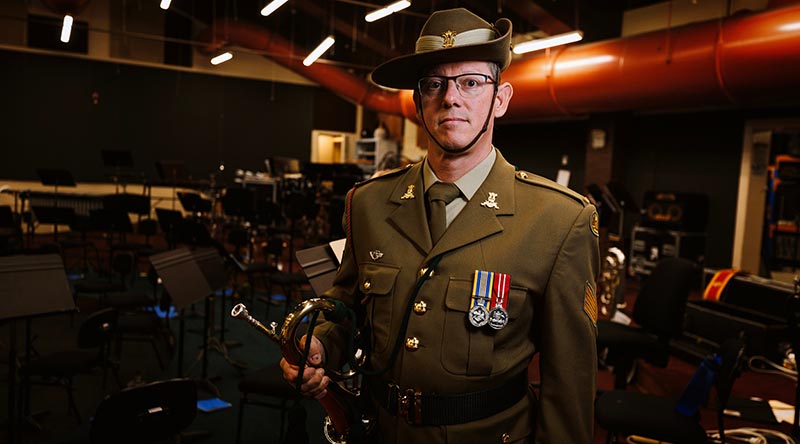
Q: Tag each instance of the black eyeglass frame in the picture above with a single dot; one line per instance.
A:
(487, 79)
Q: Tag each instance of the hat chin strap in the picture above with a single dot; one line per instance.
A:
(474, 140)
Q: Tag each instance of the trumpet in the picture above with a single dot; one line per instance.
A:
(344, 421)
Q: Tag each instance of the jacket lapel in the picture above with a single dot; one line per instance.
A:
(478, 221)
(410, 218)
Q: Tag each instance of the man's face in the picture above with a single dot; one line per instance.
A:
(455, 117)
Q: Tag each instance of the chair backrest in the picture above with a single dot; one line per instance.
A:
(661, 303)
(732, 353)
(98, 328)
(145, 413)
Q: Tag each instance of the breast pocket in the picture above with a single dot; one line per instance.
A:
(469, 350)
(377, 282)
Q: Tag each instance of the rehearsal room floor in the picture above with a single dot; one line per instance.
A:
(49, 420)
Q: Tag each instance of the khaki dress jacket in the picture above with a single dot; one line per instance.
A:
(539, 233)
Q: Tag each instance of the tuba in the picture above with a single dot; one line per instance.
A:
(611, 274)
(344, 421)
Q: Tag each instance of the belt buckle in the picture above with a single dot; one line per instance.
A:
(409, 405)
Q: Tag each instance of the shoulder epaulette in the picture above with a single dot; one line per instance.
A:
(533, 179)
(388, 173)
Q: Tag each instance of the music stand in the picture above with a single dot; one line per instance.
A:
(55, 178)
(320, 265)
(213, 268)
(193, 203)
(186, 284)
(30, 286)
(118, 160)
(172, 172)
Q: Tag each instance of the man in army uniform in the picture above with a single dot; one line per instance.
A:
(458, 297)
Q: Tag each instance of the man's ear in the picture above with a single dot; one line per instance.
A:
(504, 93)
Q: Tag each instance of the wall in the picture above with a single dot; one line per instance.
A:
(51, 119)
(698, 152)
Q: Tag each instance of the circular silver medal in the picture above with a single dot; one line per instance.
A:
(498, 318)
(478, 315)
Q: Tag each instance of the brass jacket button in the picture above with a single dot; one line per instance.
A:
(420, 307)
(367, 285)
(412, 344)
(506, 438)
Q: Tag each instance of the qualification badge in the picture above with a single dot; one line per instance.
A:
(498, 315)
(478, 314)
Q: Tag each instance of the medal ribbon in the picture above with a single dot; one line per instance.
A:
(482, 288)
(502, 283)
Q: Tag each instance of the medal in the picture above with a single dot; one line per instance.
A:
(498, 315)
(478, 314)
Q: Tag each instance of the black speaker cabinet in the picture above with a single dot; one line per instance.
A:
(675, 211)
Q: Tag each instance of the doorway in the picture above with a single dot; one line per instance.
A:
(331, 147)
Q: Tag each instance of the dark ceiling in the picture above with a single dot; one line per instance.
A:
(360, 46)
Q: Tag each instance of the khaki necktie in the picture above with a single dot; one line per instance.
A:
(439, 195)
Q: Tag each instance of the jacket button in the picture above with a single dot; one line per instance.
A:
(422, 272)
(420, 307)
(412, 344)
(506, 438)
(367, 285)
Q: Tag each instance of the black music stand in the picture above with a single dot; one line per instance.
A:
(193, 203)
(186, 284)
(172, 172)
(30, 286)
(119, 160)
(55, 178)
(320, 265)
(213, 268)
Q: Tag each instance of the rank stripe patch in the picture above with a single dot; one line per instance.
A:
(590, 303)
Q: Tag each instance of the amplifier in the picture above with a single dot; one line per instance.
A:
(675, 211)
(649, 245)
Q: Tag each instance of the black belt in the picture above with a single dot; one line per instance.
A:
(434, 409)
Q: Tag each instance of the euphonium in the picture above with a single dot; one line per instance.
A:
(611, 274)
(344, 419)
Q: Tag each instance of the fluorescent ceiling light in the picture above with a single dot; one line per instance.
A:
(222, 58)
(66, 28)
(319, 50)
(390, 9)
(272, 7)
(165, 4)
(794, 26)
(588, 61)
(548, 42)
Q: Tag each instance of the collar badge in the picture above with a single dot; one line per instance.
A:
(375, 254)
(409, 194)
(491, 202)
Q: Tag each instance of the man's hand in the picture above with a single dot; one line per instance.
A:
(314, 379)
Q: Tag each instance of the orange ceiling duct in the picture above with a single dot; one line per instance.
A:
(747, 60)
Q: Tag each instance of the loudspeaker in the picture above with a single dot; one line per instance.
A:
(675, 211)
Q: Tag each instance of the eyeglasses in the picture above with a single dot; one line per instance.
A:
(468, 85)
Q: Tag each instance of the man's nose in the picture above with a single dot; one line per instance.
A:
(451, 93)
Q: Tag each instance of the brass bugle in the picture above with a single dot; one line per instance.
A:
(339, 402)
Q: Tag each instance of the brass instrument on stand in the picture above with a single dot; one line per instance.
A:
(611, 275)
(345, 422)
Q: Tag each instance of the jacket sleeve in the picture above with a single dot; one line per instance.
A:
(567, 335)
